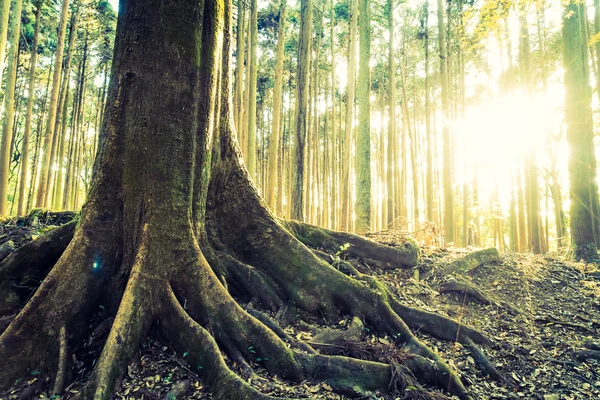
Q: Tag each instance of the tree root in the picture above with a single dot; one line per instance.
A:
(248, 283)
(484, 363)
(473, 260)
(455, 286)
(584, 355)
(63, 362)
(29, 264)
(182, 333)
(372, 253)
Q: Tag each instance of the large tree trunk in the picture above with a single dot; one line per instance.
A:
(578, 116)
(174, 234)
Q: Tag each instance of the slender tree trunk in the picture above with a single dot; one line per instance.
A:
(448, 189)
(253, 56)
(4, 14)
(363, 148)
(42, 193)
(391, 139)
(239, 68)
(9, 106)
(21, 209)
(302, 94)
(272, 177)
(345, 209)
(334, 192)
(63, 104)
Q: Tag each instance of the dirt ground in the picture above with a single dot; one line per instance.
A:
(544, 311)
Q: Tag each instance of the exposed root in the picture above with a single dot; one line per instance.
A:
(63, 362)
(129, 328)
(183, 334)
(474, 293)
(372, 253)
(341, 265)
(587, 354)
(218, 312)
(248, 283)
(272, 325)
(484, 363)
(23, 270)
(437, 325)
(474, 260)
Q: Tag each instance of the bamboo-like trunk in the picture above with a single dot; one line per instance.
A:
(345, 208)
(42, 192)
(9, 106)
(24, 181)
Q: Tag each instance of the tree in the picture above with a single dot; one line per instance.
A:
(302, 95)
(43, 189)
(9, 106)
(4, 13)
(29, 113)
(578, 115)
(391, 143)
(277, 111)
(172, 226)
(448, 188)
(363, 143)
(253, 69)
(345, 209)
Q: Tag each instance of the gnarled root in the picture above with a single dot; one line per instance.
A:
(23, 270)
(372, 253)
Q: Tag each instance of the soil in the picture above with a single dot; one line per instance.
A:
(544, 310)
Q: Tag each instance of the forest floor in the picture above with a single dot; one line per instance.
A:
(545, 310)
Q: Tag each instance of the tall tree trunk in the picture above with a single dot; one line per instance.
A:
(42, 192)
(63, 104)
(448, 187)
(9, 106)
(334, 165)
(391, 139)
(239, 69)
(302, 95)
(24, 182)
(253, 57)
(345, 209)
(579, 132)
(4, 14)
(363, 148)
(272, 177)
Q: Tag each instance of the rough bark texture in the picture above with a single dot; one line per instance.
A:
(173, 222)
(578, 115)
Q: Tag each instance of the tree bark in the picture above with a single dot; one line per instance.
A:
(274, 155)
(579, 133)
(24, 181)
(302, 95)
(9, 106)
(43, 190)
